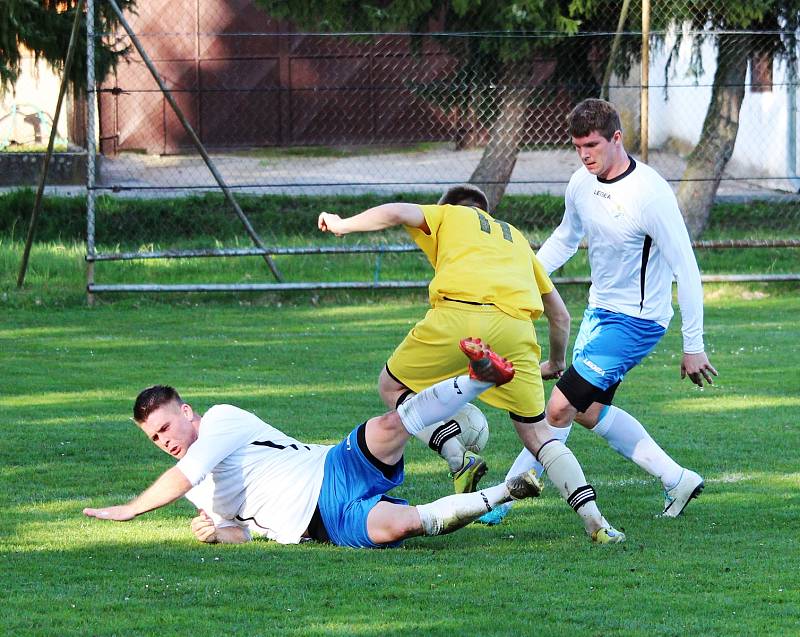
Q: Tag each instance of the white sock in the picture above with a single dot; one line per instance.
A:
(442, 437)
(526, 460)
(452, 512)
(439, 402)
(628, 437)
(566, 474)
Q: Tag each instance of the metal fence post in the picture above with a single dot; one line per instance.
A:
(91, 150)
(645, 91)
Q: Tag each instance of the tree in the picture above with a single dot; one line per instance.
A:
(503, 61)
(738, 28)
(741, 30)
(43, 27)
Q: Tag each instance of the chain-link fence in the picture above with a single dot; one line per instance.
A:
(293, 123)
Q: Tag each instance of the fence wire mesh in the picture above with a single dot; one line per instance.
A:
(299, 122)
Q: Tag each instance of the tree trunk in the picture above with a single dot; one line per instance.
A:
(76, 118)
(469, 134)
(707, 161)
(500, 155)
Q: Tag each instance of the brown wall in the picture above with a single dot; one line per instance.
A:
(244, 80)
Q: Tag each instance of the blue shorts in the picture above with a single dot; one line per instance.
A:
(352, 486)
(609, 344)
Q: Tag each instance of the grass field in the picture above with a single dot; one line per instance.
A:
(728, 567)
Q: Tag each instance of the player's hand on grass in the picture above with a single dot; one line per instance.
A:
(329, 222)
(203, 528)
(552, 370)
(697, 367)
(119, 513)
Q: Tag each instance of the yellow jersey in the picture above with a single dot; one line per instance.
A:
(479, 259)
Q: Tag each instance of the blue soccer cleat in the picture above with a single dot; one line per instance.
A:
(495, 516)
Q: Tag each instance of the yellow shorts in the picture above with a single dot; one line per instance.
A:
(430, 353)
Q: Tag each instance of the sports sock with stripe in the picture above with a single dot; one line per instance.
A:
(455, 511)
(439, 402)
(442, 437)
(566, 474)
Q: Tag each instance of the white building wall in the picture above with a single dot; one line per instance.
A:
(764, 140)
(36, 91)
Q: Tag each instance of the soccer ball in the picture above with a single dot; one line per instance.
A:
(474, 428)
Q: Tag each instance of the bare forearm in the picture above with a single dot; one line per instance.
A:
(169, 487)
(377, 218)
(559, 338)
(559, 323)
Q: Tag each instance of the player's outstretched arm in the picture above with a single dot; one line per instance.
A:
(377, 218)
(559, 321)
(169, 487)
(697, 367)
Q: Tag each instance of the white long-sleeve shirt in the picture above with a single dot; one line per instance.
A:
(245, 472)
(637, 243)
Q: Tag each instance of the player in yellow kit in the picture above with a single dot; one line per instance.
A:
(487, 283)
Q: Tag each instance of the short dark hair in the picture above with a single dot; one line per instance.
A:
(151, 399)
(465, 195)
(594, 115)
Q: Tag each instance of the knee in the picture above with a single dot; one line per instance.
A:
(389, 522)
(389, 425)
(559, 417)
(532, 435)
(397, 529)
(559, 411)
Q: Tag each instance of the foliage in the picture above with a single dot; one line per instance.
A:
(43, 27)
(503, 18)
(484, 58)
(770, 29)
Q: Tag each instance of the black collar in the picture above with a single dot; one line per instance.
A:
(627, 172)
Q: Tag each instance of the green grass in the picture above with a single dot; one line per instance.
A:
(57, 271)
(728, 567)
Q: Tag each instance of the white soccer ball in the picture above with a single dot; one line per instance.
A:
(474, 428)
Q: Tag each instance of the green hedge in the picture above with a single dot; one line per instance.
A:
(129, 221)
(123, 220)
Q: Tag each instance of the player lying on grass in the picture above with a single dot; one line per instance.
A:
(248, 478)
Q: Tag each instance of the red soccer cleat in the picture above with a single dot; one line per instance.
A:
(485, 364)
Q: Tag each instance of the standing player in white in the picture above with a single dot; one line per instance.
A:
(248, 478)
(637, 243)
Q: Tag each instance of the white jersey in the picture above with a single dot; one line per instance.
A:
(637, 243)
(245, 472)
